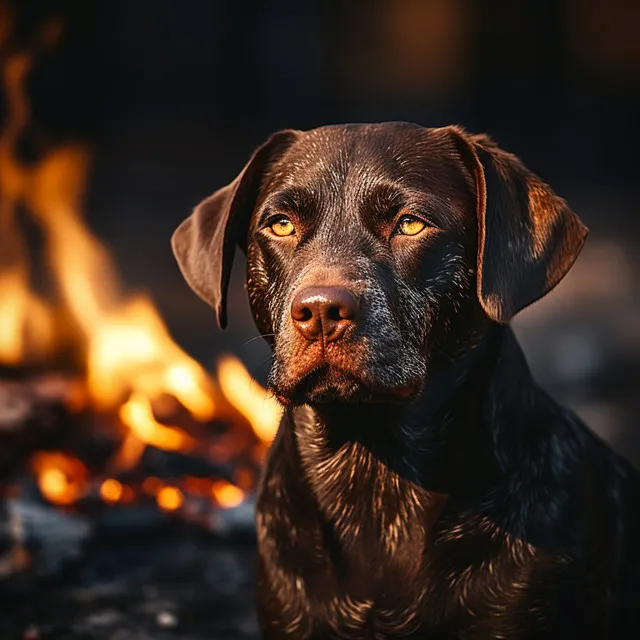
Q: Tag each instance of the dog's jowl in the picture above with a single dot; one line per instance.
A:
(421, 484)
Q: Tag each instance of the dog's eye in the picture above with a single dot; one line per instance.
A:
(410, 226)
(282, 227)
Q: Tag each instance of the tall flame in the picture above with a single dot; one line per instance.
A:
(26, 322)
(131, 360)
(248, 397)
(130, 355)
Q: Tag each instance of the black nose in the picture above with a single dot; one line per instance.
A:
(323, 312)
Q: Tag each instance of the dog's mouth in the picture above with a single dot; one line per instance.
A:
(328, 383)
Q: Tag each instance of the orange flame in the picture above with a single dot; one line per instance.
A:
(26, 323)
(131, 357)
(138, 415)
(24, 317)
(261, 410)
(129, 348)
(132, 362)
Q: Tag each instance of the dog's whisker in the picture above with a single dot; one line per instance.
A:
(262, 335)
(254, 378)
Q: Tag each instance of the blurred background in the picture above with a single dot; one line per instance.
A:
(171, 98)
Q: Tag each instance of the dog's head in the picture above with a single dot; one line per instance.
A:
(374, 250)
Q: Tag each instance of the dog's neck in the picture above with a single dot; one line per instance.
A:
(443, 442)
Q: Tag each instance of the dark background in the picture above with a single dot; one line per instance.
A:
(173, 96)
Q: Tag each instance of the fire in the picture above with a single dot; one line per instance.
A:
(152, 485)
(137, 414)
(130, 355)
(62, 479)
(111, 490)
(129, 350)
(132, 363)
(170, 498)
(248, 397)
(24, 317)
(226, 494)
(26, 323)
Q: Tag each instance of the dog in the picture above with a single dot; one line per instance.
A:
(421, 485)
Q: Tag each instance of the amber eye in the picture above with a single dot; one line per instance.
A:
(282, 227)
(410, 226)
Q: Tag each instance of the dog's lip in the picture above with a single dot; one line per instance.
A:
(377, 392)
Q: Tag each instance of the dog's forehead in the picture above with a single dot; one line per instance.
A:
(336, 157)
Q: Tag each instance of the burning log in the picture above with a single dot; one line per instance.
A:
(173, 465)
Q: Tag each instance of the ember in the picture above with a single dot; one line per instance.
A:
(170, 498)
(139, 423)
(61, 478)
(226, 494)
(111, 491)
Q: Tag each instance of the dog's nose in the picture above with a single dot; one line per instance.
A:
(323, 312)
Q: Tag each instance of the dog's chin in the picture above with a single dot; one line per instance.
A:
(327, 384)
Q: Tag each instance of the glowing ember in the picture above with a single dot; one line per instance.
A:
(226, 494)
(62, 479)
(128, 494)
(261, 410)
(111, 491)
(197, 486)
(245, 478)
(54, 486)
(170, 498)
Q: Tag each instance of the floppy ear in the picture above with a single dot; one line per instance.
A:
(528, 238)
(204, 244)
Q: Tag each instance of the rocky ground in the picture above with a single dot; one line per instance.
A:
(173, 585)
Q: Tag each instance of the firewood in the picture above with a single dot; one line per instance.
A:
(33, 416)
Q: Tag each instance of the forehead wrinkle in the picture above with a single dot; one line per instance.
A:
(292, 199)
(312, 182)
(371, 187)
(338, 167)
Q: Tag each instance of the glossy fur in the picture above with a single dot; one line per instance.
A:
(421, 484)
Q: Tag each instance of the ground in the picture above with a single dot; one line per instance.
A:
(176, 585)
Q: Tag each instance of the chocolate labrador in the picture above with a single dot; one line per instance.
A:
(421, 484)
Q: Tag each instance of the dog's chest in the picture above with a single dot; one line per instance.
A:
(376, 526)
(420, 589)
(370, 508)
(368, 554)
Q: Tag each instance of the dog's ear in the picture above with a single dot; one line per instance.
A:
(204, 244)
(528, 238)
